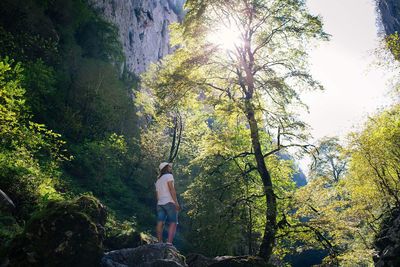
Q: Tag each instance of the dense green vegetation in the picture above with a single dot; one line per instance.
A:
(30, 153)
(59, 71)
(348, 210)
(69, 125)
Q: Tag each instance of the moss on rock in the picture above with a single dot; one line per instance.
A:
(124, 234)
(130, 239)
(65, 233)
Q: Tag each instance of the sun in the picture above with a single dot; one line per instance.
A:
(226, 36)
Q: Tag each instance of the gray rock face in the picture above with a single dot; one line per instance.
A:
(390, 14)
(154, 255)
(143, 27)
(387, 243)
(198, 260)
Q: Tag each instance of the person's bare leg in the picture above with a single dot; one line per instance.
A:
(171, 232)
(160, 226)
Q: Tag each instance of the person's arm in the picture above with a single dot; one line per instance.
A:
(155, 187)
(173, 194)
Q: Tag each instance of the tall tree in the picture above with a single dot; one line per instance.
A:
(225, 199)
(259, 74)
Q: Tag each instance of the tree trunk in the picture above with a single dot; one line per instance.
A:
(270, 226)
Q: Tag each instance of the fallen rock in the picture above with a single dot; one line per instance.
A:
(65, 233)
(153, 255)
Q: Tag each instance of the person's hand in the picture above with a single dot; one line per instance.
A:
(177, 207)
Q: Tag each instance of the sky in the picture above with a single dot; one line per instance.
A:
(354, 86)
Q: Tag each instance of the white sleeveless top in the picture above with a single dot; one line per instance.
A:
(164, 195)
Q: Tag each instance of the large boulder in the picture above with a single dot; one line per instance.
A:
(387, 242)
(153, 255)
(65, 233)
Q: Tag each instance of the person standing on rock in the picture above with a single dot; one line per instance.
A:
(167, 203)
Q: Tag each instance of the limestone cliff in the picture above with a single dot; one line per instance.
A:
(143, 27)
(390, 15)
(387, 242)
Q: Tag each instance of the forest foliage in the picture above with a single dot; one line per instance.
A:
(68, 122)
(73, 122)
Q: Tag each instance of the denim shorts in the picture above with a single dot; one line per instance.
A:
(167, 212)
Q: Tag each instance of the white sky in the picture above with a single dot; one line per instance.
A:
(354, 87)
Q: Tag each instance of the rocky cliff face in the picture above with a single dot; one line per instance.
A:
(390, 14)
(387, 242)
(143, 27)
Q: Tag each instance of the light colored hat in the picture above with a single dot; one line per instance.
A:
(163, 164)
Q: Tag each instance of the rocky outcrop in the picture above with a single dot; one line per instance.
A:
(143, 27)
(164, 255)
(65, 233)
(387, 243)
(197, 260)
(154, 255)
(390, 15)
(130, 239)
(240, 261)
